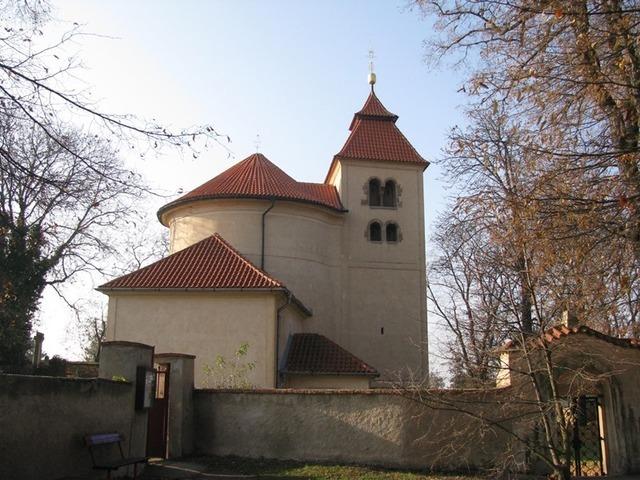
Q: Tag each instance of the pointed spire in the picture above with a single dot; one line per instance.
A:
(372, 75)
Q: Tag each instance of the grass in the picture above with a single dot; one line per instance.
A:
(290, 469)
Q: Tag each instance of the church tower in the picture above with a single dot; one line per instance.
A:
(379, 176)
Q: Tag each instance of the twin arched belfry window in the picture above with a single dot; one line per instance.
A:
(382, 195)
(391, 232)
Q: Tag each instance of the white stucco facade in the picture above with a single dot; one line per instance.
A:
(364, 294)
(369, 297)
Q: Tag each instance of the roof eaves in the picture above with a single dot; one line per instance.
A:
(104, 289)
(182, 201)
(314, 372)
(301, 306)
(424, 163)
(558, 332)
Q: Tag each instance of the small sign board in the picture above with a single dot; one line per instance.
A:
(145, 387)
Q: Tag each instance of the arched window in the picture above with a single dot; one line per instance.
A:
(389, 196)
(374, 193)
(375, 232)
(392, 232)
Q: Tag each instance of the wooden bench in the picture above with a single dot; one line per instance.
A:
(102, 461)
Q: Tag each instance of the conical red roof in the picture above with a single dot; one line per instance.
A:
(257, 177)
(375, 136)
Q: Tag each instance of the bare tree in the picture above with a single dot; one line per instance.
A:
(528, 423)
(37, 86)
(468, 291)
(57, 215)
(507, 267)
(572, 71)
(63, 189)
(91, 327)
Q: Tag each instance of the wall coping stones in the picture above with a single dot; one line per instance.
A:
(124, 343)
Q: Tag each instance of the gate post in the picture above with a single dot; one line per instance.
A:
(120, 360)
(180, 402)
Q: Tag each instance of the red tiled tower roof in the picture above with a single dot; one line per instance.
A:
(209, 264)
(311, 353)
(375, 136)
(373, 108)
(257, 177)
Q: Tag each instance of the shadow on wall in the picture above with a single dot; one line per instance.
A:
(43, 421)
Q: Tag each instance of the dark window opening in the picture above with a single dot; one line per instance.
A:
(374, 193)
(389, 196)
(392, 232)
(381, 330)
(375, 232)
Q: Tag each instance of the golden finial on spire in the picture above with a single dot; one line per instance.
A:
(372, 75)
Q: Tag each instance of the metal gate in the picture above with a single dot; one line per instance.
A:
(159, 414)
(588, 438)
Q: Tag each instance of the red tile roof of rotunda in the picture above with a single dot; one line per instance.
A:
(257, 177)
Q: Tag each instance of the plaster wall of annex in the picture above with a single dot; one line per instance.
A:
(302, 247)
(205, 324)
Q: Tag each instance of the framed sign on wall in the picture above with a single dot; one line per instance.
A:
(145, 387)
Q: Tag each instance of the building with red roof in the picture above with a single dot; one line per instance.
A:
(323, 283)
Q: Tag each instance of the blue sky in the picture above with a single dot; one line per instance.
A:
(292, 72)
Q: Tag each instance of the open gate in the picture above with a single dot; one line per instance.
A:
(589, 458)
(158, 424)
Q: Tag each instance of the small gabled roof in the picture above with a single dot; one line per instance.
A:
(210, 264)
(375, 136)
(311, 353)
(559, 332)
(257, 177)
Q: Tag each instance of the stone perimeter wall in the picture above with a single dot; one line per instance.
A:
(43, 421)
(375, 427)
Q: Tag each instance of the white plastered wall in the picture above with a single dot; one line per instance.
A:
(384, 318)
(302, 246)
(204, 324)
